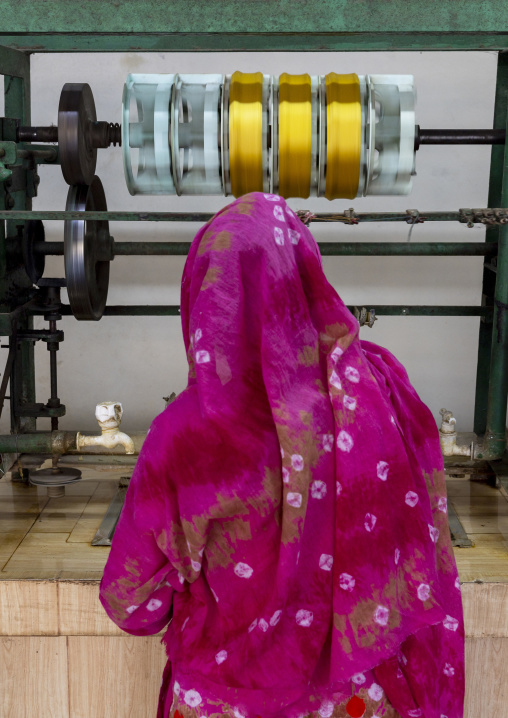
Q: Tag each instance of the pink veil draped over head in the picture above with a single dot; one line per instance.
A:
(304, 541)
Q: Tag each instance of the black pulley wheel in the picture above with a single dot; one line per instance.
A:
(76, 116)
(33, 233)
(87, 252)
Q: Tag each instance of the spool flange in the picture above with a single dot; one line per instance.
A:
(87, 252)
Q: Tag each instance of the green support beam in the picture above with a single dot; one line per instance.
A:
(496, 193)
(404, 17)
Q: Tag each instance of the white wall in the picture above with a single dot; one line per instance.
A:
(139, 360)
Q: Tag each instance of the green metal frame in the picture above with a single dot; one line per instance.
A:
(260, 26)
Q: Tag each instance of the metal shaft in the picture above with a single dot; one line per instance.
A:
(459, 137)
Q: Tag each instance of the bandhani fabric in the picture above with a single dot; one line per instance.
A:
(287, 514)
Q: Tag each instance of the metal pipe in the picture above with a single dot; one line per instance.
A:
(37, 134)
(346, 217)
(162, 310)
(41, 442)
(327, 249)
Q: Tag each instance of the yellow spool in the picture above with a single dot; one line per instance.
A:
(295, 135)
(246, 132)
(344, 126)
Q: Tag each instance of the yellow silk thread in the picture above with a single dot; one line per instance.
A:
(295, 135)
(246, 132)
(344, 126)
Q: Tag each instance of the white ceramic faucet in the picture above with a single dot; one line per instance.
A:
(109, 416)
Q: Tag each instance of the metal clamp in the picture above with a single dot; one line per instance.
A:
(490, 217)
(365, 316)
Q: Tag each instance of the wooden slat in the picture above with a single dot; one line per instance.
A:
(28, 608)
(33, 678)
(485, 609)
(486, 684)
(114, 677)
(80, 611)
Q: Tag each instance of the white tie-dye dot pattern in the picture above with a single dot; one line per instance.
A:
(185, 623)
(176, 688)
(326, 709)
(339, 488)
(434, 533)
(196, 566)
(297, 462)
(220, 657)
(451, 623)
(344, 441)
(263, 625)
(181, 578)
(278, 213)
(275, 618)
(415, 713)
(326, 562)
(457, 583)
(304, 618)
(318, 489)
(285, 475)
(352, 374)
(327, 442)
(243, 570)
(272, 197)
(294, 236)
(131, 609)
(336, 354)
(346, 582)
(215, 596)
(349, 403)
(381, 615)
(154, 604)
(335, 381)
(396, 556)
(198, 335)
(375, 692)
(442, 504)
(294, 499)
(382, 469)
(282, 452)
(192, 698)
(411, 498)
(359, 679)
(402, 659)
(423, 591)
(253, 625)
(202, 357)
(370, 522)
(448, 670)
(278, 236)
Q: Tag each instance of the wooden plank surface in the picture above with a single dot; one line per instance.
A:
(113, 677)
(33, 678)
(29, 608)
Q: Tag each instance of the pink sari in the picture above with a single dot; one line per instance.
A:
(288, 509)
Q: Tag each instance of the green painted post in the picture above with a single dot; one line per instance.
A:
(495, 433)
(16, 68)
(495, 199)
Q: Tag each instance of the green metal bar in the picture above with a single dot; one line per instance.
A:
(327, 249)
(491, 236)
(255, 42)
(162, 310)
(405, 17)
(123, 216)
(41, 442)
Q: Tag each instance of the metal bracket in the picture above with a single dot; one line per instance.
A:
(8, 156)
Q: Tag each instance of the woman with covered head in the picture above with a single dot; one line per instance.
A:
(287, 514)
